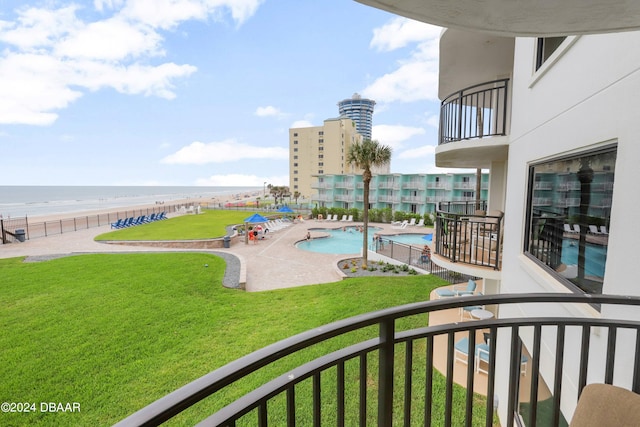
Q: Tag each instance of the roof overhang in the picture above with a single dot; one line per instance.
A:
(521, 18)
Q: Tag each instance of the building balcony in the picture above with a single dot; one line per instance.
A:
(473, 126)
(465, 234)
(414, 185)
(413, 199)
(391, 375)
(438, 185)
(345, 198)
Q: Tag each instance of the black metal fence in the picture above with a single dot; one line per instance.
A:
(469, 236)
(392, 379)
(475, 112)
(415, 256)
(18, 229)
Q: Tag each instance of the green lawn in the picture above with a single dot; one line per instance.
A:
(208, 225)
(114, 332)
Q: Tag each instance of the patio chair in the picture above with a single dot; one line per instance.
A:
(461, 354)
(350, 218)
(603, 230)
(456, 292)
(344, 218)
(605, 404)
(468, 309)
(412, 222)
(576, 228)
(420, 223)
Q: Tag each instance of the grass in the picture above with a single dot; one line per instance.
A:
(208, 225)
(116, 332)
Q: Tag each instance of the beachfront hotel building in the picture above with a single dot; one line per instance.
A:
(411, 193)
(545, 98)
(360, 110)
(321, 150)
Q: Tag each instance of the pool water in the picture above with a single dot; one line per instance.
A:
(595, 257)
(411, 239)
(349, 241)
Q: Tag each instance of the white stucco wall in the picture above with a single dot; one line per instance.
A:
(589, 97)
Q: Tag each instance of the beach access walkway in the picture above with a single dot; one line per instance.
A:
(272, 263)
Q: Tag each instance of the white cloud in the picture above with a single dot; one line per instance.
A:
(399, 32)
(200, 153)
(415, 78)
(242, 180)
(53, 57)
(167, 14)
(394, 135)
(433, 120)
(414, 153)
(269, 111)
(110, 40)
(302, 124)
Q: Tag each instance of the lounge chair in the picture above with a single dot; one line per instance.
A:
(412, 222)
(568, 229)
(350, 218)
(399, 225)
(118, 224)
(603, 230)
(594, 230)
(420, 223)
(576, 228)
(455, 292)
(344, 218)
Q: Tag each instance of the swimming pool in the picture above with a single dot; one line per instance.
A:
(414, 239)
(595, 257)
(349, 241)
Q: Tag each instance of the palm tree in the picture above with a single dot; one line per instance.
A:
(364, 155)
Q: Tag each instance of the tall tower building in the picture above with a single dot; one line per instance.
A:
(360, 111)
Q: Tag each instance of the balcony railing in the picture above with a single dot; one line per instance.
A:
(475, 112)
(392, 379)
(464, 235)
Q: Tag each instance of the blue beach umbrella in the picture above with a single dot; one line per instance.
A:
(256, 218)
(285, 209)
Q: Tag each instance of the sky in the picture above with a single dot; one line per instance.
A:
(202, 92)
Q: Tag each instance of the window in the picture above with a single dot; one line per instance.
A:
(295, 134)
(295, 165)
(295, 142)
(320, 140)
(295, 157)
(568, 217)
(320, 148)
(295, 150)
(320, 156)
(546, 46)
(320, 171)
(320, 132)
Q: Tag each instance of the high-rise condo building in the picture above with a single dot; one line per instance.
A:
(319, 150)
(360, 111)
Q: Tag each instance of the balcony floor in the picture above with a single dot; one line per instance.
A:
(460, 369)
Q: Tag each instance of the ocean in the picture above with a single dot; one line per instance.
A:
(20, 201)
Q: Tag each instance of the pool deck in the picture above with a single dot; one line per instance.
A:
(273, 263)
